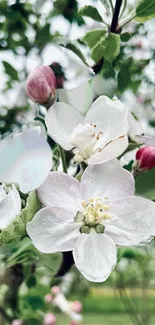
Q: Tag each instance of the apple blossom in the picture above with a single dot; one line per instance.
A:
(64, 305)
(55, 290)
(92, 217)
(26, 159)
(10, 205)
(41, 84)
(99, 137)
(49, 319)
(145, 157)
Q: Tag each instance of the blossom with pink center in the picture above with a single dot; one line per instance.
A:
(41, 85)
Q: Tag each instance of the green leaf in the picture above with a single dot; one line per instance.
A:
(124, 75)
(91, 12)
(145, 184)
(145, 10)
(10, 70)
(93, 37)
(108, 48)
(72, 46)
(125, 37)
(17, 228)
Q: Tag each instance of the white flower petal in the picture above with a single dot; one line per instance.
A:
(61, 119)
(95, 256)
(110, 116)
(145, 140)
(133, 221)
(26, 159)
(10, 207)
(112, 150)
(2, 193)
(134, 126)
(107, 180)
(80, 97)
(60, 190)
(53, 230)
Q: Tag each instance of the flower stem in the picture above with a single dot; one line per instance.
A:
(114, 23)
(63, 159)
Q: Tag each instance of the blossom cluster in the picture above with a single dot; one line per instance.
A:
(90, 216)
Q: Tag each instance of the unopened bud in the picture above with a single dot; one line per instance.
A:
(48, 298)
(145, 158)
(55, 290)
(17, 322)
(41, 85)
(85, 230)
(99, 228)
(77, 306)
(49, 319)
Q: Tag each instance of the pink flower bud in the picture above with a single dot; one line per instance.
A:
(49, 319)
(73, 323)
(146, 157)
(41, 84)
(76, 306)
(48, 298)
(17, 322)
(55, 290)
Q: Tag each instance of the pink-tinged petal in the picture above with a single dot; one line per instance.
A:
(112, 150)
(107, 180)
(53, 230)
(95, 256)
(60, 190)
(133, 221)
(110, 117)
(26, 159)
(61, 119)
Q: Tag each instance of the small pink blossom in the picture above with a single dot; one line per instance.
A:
(41, 85)
(49, 319)
(76, 306)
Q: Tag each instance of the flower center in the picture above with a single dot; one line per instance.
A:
(95, 212)
(84, 139)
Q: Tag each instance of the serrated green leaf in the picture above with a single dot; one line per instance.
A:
(145, 184)
(72, 46)
(17, 228)
(108, 48)
(91, 12)
(93, 37)
(145, 10)
(10, 70)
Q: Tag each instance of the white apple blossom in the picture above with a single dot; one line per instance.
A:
(26, 159)
(92, 217)
(98, 137)
(10, 205)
